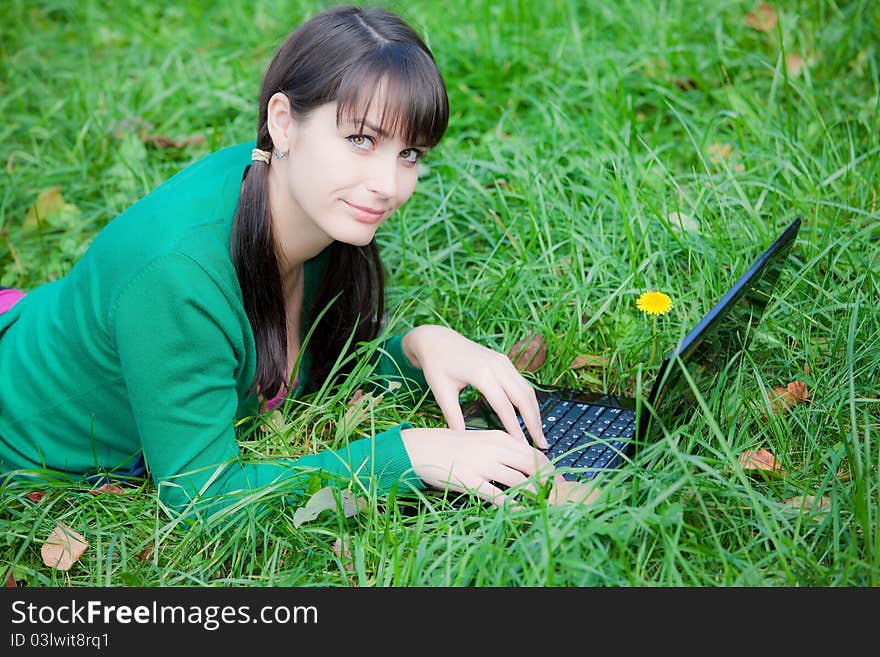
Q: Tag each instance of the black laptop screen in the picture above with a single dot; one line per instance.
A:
(717, 341)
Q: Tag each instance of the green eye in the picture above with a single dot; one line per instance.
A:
(360, 141)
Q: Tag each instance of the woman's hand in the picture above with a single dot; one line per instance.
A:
(474, 461)
(481, 461)
(576, 492)
(450, 362)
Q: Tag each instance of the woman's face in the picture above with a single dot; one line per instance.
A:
(347, 180)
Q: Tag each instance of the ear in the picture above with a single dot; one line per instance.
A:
(280, 122)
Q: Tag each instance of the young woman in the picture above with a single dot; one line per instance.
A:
(191, 307)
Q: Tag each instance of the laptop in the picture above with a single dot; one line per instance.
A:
(590, 432)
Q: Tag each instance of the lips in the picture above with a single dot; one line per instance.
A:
(365, 214)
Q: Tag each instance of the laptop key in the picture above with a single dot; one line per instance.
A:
(589, 456)
(568, 460)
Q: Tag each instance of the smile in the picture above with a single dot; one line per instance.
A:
(364, 214)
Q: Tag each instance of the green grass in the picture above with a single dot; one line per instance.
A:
(577, 130)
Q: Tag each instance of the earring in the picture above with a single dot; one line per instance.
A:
(280, 154)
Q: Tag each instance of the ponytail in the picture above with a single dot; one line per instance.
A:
(256, 265)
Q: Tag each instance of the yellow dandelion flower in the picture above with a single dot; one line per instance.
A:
(654, 303)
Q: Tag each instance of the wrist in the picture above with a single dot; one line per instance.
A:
(410, 346)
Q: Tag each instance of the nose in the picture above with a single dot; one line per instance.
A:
(383, 177)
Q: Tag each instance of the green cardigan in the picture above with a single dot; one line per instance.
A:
(145, 347)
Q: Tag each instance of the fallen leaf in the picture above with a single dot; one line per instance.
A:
(529, 353)
(63, 547)
(760, 461)
(10, 581)
(359, 407)
(794, 63)
(274, 422)
(129, 125)
(685, 84)
(107, 488)
(763, 18)
(325, 500)
(507, 234)
(588, 359)
(49, 208)
(781, 399)
(719, 152)
(146, 553)
(161, 141)
(681, 222)
(809, 503)
(36, 496)
(394, 385)
(342, 550)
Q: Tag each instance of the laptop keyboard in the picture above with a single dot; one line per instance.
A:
(565, 424)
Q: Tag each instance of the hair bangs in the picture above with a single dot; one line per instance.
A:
(406, 81)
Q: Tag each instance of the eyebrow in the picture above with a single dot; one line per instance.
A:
(379, 131)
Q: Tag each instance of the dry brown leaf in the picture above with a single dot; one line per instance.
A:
(501, 183)
(591, 360)
(274, 422)
(146, 553)
(529, 353)
(760, 461)
(781, 399)
(107, 488)
(763, 18)
(325, 499)
(359, 408)
(809, 503)
(161, 141)
(342, 549)
(129, 125)
(10, 581)
(685, 84)
(794, 63)
(63, 547)
(679, 221)
(719, 152)
(49, 201)
(36, 496)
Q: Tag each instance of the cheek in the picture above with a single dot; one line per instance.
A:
(407, 184)
(307, 180)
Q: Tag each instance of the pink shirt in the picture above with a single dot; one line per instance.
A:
(9, 298)
(272, 403)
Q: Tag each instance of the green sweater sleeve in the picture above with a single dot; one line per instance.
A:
(393, 365)
(180, 357)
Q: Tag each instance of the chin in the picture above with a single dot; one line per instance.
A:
(356, 237)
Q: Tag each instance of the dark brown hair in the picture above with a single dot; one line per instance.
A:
(340, 55)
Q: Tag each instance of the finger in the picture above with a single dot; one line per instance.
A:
(530, 411)
(509, 477)
(523, 396)
(545, 471)
(527, 460)
(447, 399)
(491, 493)
(500, 403)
